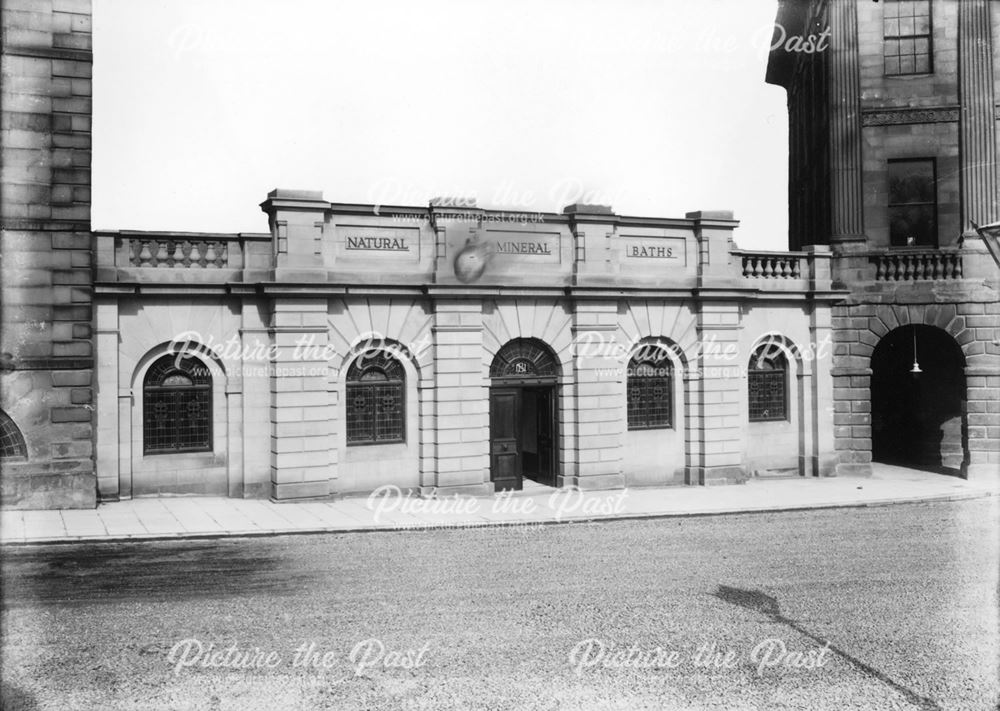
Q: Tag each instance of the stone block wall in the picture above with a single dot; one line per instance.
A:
(46, 349)
(969, 312)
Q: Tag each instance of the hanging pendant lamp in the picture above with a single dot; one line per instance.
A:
(915, 370)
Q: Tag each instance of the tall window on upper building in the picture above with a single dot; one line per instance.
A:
(650, 405)
(912, 203)
(767, 384)
(375, 399)
(177, 406)
(907, 31)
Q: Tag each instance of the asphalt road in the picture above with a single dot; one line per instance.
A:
(873, 608)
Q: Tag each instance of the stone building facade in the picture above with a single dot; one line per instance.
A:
(46, 356)
(499, 347)
(452, 348)
(893, 164)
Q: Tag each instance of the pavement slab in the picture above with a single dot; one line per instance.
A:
(178, 517)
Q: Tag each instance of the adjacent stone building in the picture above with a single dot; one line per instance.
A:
(893, 147)
(46, 355)
(451, 348)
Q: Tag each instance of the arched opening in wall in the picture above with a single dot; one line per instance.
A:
(179, 434)
(918, 418)
(12, 445)
(524, 394)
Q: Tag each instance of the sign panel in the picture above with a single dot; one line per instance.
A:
(653, 251)
(514, 247)
(378, 244)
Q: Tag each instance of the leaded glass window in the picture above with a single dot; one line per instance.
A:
(376, 399)
(11, 440)
(650, 389)
(767, 383)
(524, 358)
(177, 406)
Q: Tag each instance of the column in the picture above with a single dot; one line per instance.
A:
(977, 138)
(846, 186)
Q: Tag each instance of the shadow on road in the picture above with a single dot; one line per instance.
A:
(13, 698)
(767, 605)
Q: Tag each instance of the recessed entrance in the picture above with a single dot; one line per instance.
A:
(918, 418)
(523, 415)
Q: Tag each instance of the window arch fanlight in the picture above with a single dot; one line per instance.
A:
(11, 440)
(650, 390)
(524, 358)
(767, 384)
(177, 406)
(376, 399)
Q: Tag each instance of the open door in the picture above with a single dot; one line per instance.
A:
(505, 464)
(546, 428)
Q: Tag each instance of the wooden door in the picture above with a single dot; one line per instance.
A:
(505, 464)
(546, 436)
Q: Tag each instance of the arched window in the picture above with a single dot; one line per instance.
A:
(524, 358)
(11, 440)
(376, 398)
(650, 391)
(767, 384)
(177, 406)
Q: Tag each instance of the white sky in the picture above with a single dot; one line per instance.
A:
(655, 107)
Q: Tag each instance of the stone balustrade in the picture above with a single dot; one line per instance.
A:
(771, 265)
(917, 265)
(177, 253)
(163, 257)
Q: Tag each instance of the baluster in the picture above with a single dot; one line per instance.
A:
(194, 255)
(958, 265)
(224, 255)
(947, 267)
(879, 269)
(210, 255)
(918, 266)
(161, 253)
(758, 268)
(144, 254)
(768, 267)
(897, 268)
(178, 257)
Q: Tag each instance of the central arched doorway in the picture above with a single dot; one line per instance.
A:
(918, 418)
(524, 379)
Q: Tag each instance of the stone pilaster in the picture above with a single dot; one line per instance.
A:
(846, 185)
(716, 418)
(599, 398)
(818, 408)
(107, 400)
(302, 414)
(461, 399)
(977, 136)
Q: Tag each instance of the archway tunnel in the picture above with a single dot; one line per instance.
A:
(918, 400)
